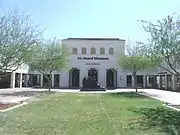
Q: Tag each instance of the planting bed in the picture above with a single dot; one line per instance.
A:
(4, 106)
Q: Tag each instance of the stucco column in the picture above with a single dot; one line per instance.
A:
(41, 80)
(27, 80)
(64, 78)
(12, 80)
(160, 81)
(102, 76)
(20, 80)
(132, 81)
(166, 81)
(52, 78)
(83, 73)
(174, 83)
(105, 77)
(144, 81)
(59, 80)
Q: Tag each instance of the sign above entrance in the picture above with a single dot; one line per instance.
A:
(92, 63)
(92, 58)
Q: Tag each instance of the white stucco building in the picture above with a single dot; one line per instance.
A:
(97, 58)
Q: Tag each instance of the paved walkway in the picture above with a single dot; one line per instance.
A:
(162, 95)
(19, 94)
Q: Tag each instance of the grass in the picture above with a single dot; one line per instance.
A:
(84, 114)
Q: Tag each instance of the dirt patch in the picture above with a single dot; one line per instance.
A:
(4, 106)
(175, 106)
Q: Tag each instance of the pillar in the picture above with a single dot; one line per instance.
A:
(52, 78)
(166, 81)
(144, 81)
(41, 83)
(83, 73)
(64, 78)
(27, 80)
(132, 81)
(174, 83)
(102, 76)
(59, 80)
(20, 80)
(12, 80)
(160, 81)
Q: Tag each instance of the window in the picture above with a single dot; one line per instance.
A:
(111, 51)
(83, 51)
(74, 51)
(102, 50)
(93, 50)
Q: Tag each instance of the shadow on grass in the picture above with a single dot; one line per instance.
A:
(161, 118)
(127, 95)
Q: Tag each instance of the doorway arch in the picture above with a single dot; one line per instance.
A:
(111, 78)
(74, 77)
(93, 73)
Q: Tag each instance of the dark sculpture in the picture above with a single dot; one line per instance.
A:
(90, 84)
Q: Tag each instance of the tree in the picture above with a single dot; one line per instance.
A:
(135, 61)
(164, 43)
(49, 57)
(17, 40)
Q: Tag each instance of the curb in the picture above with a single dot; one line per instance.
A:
(171, 107)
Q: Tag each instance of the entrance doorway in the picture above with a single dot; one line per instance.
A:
(111, 78)
(140, 81)
(93, 73)
(74, 77)
(56, 80)
(129, 80)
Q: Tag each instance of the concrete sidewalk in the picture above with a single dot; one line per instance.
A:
(162, 95)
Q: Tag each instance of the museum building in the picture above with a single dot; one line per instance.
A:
(97, 58)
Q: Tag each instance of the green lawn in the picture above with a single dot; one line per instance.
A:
(80, 114)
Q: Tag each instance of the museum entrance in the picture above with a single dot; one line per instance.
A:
(110, 78)
(74, 77)
(93, 73)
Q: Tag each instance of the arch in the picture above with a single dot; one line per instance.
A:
(93, 50)
(111, 51)
(102, 50)
(111, 78)
(83, 51)
(93, 73)
(74, 78)
(74, 50)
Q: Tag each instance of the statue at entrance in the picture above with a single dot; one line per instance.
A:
(91, 84)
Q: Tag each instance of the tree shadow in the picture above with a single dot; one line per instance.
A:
(26, 93)
(127, 95)
(161, 118)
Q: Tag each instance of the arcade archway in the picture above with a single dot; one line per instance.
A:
(93, 73)
(111, 78)
(74, 76)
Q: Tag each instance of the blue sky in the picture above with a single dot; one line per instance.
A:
(93, 18)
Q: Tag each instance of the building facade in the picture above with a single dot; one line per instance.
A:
(94, 57)
(97, 58)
